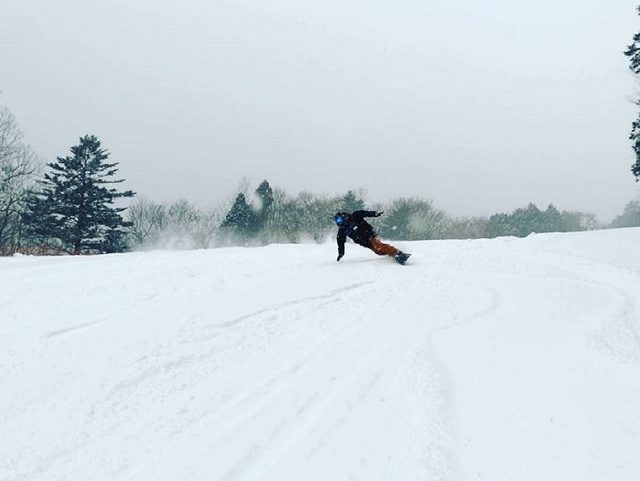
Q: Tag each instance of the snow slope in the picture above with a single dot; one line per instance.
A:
(506, 359)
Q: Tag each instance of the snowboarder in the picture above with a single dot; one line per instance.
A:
(361, 232)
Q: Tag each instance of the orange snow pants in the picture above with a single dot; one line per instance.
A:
(381, 248)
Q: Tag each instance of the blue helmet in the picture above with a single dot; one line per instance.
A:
(340, 218)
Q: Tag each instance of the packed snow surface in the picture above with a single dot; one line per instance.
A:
(505, 359)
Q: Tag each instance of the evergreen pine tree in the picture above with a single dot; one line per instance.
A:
(630, 217)
(553, 220)
(501, 225)
(351, 202)
(527, 220)
(240, 220)
(633, 52)
(265, 193)
(75, 202)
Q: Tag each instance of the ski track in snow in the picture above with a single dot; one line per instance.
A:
(487, 359)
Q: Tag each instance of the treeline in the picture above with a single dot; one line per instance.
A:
(270, 215)
(524, 221)
(73, 205)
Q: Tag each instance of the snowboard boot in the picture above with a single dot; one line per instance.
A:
(401, 257)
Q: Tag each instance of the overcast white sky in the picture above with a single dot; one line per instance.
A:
(482, 106)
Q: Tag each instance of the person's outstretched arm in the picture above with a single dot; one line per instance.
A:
(342, 238)
(361, 214)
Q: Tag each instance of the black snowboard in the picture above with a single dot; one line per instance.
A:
(402, 257)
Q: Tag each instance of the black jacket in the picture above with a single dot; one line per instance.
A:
(357, 229)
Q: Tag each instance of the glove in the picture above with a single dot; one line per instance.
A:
(378, 214)
(339, 257)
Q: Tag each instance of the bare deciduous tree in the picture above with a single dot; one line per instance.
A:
(149, 221)
(18, 163)
(179, 225)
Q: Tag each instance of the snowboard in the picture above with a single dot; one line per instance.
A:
(402, 257)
